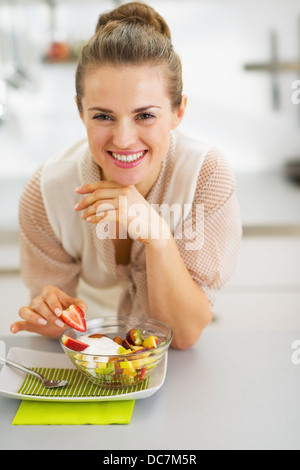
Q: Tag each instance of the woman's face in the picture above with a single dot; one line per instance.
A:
(128, 117)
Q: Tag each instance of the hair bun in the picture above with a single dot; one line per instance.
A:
(134, 13)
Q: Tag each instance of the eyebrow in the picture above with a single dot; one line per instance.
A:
(109, 111)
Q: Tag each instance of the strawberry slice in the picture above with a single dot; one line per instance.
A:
(73, 343)
(74, 317)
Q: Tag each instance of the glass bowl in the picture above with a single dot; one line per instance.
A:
(120, 370)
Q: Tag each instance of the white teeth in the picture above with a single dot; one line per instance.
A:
(127, 158)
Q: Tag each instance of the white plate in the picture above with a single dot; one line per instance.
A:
(11, 379)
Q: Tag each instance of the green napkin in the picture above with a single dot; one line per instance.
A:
(105, 412)
(53, 412)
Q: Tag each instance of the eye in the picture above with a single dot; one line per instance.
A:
(145, 117)
(102, 117)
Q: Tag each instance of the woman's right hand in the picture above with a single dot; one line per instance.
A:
(42, 315)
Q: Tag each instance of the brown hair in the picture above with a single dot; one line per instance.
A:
(132, 34)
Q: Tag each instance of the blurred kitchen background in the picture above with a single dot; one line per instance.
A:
(241, 62)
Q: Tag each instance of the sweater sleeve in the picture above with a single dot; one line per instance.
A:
(43, 259)
(212, 254)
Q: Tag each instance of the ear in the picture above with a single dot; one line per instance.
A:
(179, 112)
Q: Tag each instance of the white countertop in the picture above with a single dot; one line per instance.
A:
(233, 390)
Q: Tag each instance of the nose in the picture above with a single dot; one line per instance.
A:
(124, 135)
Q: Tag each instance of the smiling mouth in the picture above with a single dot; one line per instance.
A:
(128, 157)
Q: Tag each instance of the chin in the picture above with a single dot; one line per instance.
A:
(127, 179)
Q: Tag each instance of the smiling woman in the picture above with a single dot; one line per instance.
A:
(97, 210)
(125, 132)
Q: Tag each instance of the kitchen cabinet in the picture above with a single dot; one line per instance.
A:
(268, 262)
(264, 291)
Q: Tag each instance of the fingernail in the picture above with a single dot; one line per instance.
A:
(76, 206)
(59, 323)
(42, 321)
(13, 329)
(57, 312)
(78, 189)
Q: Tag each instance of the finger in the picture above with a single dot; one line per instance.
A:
(109, 196)
(52, 330)
(91, 187)
(99, 208)
(104, 217)
(40, 315)
(26, 313)
(51, 298)
(57, 300)
(38, 306)
(25, 326)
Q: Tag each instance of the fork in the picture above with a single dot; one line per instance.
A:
(46, 382)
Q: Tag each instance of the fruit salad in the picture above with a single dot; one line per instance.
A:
(131, 357)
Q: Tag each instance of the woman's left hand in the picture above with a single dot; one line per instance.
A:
(107, 201)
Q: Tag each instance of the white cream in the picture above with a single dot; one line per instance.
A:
(100, 346)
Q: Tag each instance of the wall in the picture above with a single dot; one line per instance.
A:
(215, 38)
(228, 105)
